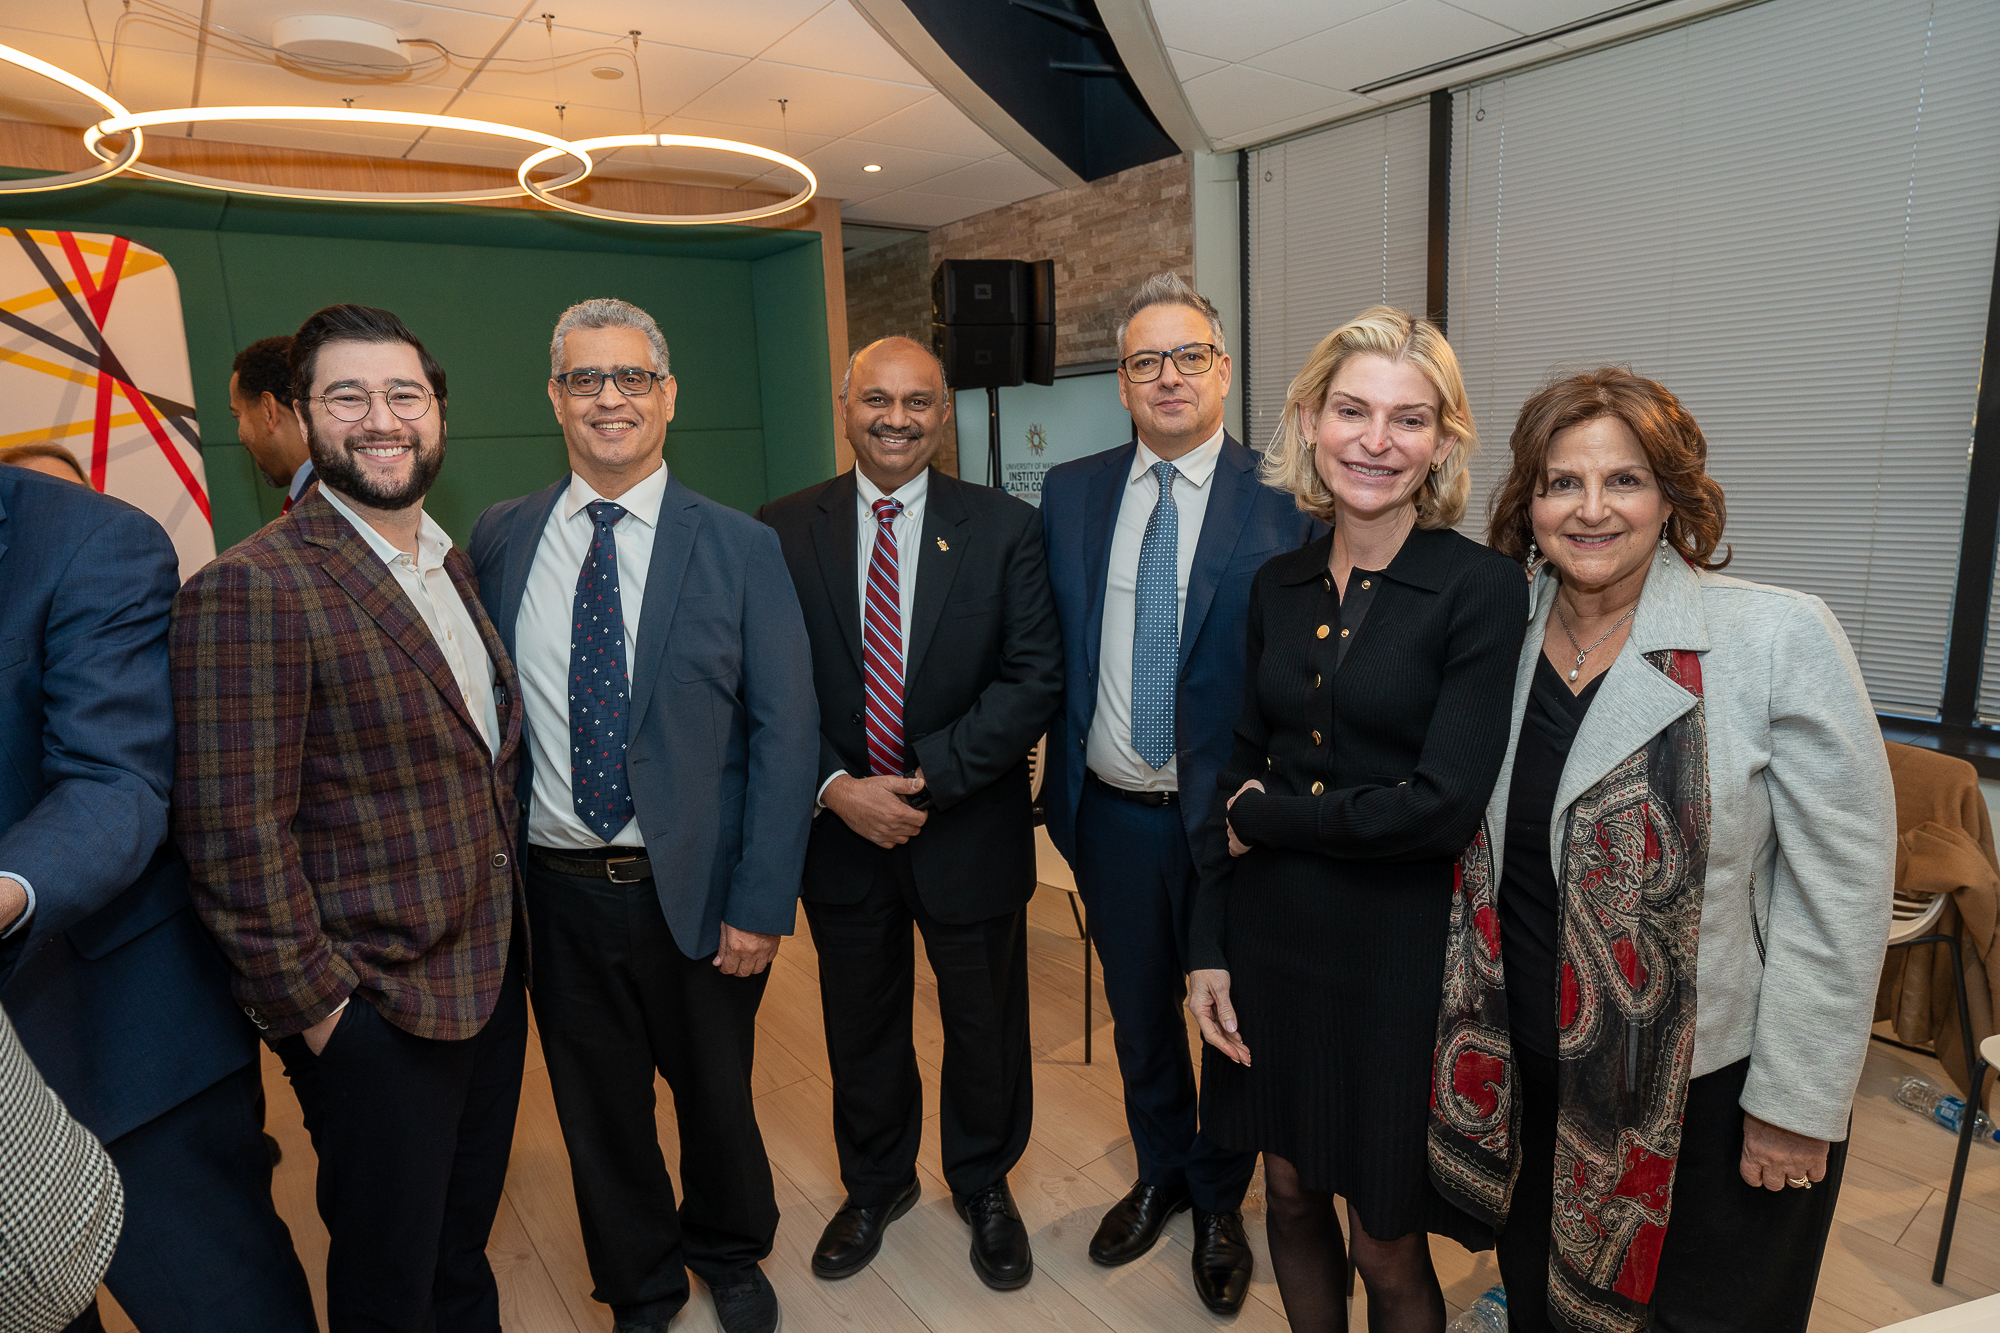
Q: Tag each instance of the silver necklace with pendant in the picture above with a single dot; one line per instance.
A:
(1582, 653)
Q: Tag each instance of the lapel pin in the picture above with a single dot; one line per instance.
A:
(943, 545)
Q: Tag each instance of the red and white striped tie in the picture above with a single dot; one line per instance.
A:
(882, 647)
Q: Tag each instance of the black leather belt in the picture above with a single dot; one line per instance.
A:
(1152, 799)
(620, 865)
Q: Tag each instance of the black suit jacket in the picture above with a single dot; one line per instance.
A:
(982, 676)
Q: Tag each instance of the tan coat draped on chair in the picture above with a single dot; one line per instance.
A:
(1944, 844)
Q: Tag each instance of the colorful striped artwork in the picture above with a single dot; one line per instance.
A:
(93, 356)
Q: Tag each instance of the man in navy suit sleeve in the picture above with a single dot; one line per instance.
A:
(117, 993)
(1152, 546)
(672, 750)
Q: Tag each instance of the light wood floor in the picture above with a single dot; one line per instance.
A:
(1877, 1268)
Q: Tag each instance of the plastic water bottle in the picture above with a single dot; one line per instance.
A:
(1487, 1315)
(1927, 1099)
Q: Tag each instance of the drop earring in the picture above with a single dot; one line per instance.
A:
(1535, 559)
(1665, 548)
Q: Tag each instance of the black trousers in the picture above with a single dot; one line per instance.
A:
(616, 1000)
(1737, 1258)
(203, 1250)
(412, 1136)
(867, 985)
(1138, 879)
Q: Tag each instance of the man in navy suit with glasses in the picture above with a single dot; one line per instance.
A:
(673, 738)
(1152, 547)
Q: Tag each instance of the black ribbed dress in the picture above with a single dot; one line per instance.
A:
(1377, 766)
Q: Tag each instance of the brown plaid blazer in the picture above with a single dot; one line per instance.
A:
(345, 829)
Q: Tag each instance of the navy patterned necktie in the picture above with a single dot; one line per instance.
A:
(599, 685)
(1156, 627)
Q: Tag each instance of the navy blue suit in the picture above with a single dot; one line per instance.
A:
(722, 756)
(117, 992)
(1135, 866)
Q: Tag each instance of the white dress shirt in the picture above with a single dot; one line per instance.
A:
(428, 585)
(542, 640)
(1109, 752)
(909, 529)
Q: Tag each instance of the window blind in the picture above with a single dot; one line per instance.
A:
(1337, 224)
(1787, 214)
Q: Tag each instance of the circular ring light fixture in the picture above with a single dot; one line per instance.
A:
(124, 120)
(584, 146)
(112, 163)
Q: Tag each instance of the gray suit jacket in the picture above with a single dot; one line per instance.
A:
(1802, 839)
(724, 732)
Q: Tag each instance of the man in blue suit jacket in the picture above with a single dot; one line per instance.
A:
(673, 749)
(115, 989)
(1152, 546)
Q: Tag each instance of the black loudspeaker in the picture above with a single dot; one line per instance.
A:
(982, 356)
(994, 322)
(980, 291)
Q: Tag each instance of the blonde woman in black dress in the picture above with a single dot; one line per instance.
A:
(1381, 663)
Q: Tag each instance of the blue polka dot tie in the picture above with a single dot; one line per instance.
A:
(598, 684)
(1156, 627)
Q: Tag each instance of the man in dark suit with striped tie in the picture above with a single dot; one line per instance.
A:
(938, 664)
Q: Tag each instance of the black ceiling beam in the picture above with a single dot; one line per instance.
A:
(1062, 16)
(1053, 68)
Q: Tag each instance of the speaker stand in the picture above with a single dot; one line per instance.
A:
(993, 436)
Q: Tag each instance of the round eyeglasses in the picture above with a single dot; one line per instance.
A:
(1188, 359)
(628, 380)
(405, 400)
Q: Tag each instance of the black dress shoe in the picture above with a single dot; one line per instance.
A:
(747, 1307)
(1135, 1222)
(853, 1236)
(1000, 1253)
(1222, 1261)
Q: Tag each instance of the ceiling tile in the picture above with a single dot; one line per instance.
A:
(934, 124)
(669, 76)
(842, 161)
(794, 142)
(1189, 65)
(1292, 124)
(1405, 36)
(1531, 16)
(913, 208)
(1000, 179)
(1238, 29)
(1237, 98)
(839, 39)
(741, 27)
(819, 102)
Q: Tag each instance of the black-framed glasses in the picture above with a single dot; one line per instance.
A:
(1189, 359)
(628, 380)
(351, 404)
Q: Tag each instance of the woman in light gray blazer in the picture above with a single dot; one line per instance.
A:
(1667, 936)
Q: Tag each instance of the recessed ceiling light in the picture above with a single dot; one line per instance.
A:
(608, 72)
(871, 167)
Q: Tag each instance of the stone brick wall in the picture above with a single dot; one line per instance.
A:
(1106, 238)
(889, 293)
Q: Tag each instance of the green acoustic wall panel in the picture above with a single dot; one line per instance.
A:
(743, 310)
(798, 425)
(484, 470)
(724, 465)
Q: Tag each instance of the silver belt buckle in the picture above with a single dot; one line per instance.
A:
(611, 870)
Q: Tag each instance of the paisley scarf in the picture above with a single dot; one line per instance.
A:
(1634, 858)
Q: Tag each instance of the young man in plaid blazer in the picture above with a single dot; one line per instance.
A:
(344, 795)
